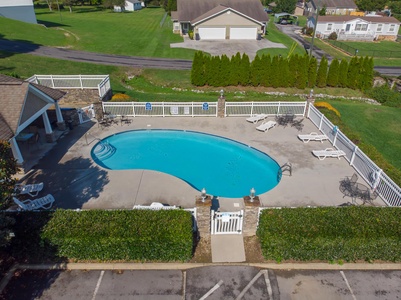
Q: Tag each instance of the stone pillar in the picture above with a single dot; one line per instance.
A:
(251, 215)
(61, 126)
(203, 215)
(221, 106)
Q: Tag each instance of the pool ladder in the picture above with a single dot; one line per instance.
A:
(286, 167)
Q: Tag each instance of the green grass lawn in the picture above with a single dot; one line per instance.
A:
(377, 125)
(140, 33)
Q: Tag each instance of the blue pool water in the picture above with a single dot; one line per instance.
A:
(222, 166)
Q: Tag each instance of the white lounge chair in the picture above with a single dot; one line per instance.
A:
(328, 152)
(30, 189)
(256, 118)
(313, 136)
(265, 126)
(45, 202)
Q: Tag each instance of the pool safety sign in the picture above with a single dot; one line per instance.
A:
(205, 106)
(148, 106)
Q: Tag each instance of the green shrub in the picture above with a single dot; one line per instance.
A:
(129, 235)
(383, 94)
(333, 36)
(331, 234)
(191, 34)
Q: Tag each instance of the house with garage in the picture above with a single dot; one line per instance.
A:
(21, 10)
(130, 5)
(333, 7)
(354, 28)
(220, 19)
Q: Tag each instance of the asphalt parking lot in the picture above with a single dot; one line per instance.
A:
(211, 282)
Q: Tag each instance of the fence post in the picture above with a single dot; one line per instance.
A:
(51, 78)
(351, 162)
(251, 108)
(80, 81)
(133, 108)
(278, 108)
(335, 136)
(320, 123)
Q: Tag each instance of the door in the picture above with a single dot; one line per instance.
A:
(243, 33)
(226, 222)
(216, 33)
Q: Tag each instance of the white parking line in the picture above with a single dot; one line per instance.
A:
(250, 284)
(212, 290)
(98, 285)
(347, 283)
(268, 285)
(184, 284)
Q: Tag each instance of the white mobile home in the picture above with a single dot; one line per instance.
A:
(21, 10)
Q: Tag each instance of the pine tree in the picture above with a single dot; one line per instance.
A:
(244, 70)
(275, 72)
(235, 69)
(322, 72)
(369, 69)
(312, 72)
(215, 71)
(293, 66)
(353, 73)
(302, 78)
(196, 70)
(266, 70)
(343, 74)
(225, 71)
(207, 69)
(255, 75)
(284, 72)
(334, 73)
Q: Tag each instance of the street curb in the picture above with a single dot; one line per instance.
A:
(185, 266)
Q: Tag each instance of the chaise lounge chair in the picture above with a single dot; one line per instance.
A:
(30, 189)
(313, 136)
(328, 152)
(45, 202)
(256, 118)
(265, 126)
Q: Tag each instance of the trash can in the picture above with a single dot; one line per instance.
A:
(197, 37)
(70, 125)
(259, 37)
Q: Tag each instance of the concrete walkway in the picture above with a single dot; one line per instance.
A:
(227, 248)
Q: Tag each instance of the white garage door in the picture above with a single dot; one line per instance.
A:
(243, 33)
(212, 33)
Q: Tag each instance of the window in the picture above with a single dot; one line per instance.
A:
(329, 27)
(392, 27)
(379, 27)
(361, 27)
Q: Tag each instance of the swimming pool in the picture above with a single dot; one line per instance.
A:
(223, 167)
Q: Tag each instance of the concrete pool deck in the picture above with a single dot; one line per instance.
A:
(76, 181)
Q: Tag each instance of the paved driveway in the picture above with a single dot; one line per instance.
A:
(228, 47)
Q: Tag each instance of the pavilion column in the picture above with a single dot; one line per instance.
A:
(16, 151)
(60, 121)
(48, 129)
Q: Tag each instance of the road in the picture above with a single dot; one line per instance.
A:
(139, 62)
(98, 58)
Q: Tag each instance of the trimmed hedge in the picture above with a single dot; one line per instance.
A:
(130, 235)
(351, 233)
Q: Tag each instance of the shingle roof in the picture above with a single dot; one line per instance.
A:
(335, 4)
(190, 10)
(324, 19)
(13, 92)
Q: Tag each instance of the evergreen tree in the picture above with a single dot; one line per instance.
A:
(214, 69)
(293, 67)
(370, 74)
(235, 69)
(244, 70)
(302, 76)
(284, 72)
(225, 71)
(353, 73)
(207, 69)
(255, 75)
(322, 72)
(334, 73)
(275, 72)
(266, 70)
(197, 69)
(343, 74)
(312, 72)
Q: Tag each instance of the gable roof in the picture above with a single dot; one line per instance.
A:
(195, 10)
(339, 19)
(13, 94)
(350, 4)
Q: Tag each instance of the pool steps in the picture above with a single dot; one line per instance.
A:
(104, 150)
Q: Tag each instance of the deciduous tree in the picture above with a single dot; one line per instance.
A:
(370, 5)
(287, 6)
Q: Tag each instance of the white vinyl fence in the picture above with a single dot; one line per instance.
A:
(226, 222)
(92, 82)
(239, 109)
(161, 109)
(389, 191)
(85, 114)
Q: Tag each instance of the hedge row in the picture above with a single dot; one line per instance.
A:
(295, 71)
(331, 234)
(130, 235)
